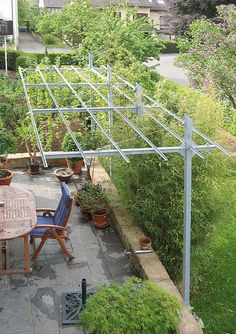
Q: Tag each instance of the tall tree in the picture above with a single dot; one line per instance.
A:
(183, 12)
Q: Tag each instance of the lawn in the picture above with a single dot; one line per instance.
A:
(214, 268)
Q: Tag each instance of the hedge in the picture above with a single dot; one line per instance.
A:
(12, 55)
(170, 47)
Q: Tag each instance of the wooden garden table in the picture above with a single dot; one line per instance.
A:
(17, 219)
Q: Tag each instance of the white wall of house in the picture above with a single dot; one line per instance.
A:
(41, 4)
(9, 11)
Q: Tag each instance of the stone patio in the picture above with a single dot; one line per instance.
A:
(32, 304)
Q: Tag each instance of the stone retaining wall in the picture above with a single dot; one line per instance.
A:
(147, 265)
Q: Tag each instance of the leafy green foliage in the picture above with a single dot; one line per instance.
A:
(158, 206)
(102, 32)
(7, 142)
(26, 61)
(208, 54)
(93, 197)
(12, 103)
(135, 307)
(23, 12)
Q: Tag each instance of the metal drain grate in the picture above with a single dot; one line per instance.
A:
(71, 306)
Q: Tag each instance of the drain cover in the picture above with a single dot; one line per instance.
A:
(71, 306)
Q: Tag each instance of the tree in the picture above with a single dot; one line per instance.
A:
(208, 53)
(102, 32)
(23, 11)
(183, 12)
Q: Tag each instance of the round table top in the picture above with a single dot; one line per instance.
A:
(17, 212)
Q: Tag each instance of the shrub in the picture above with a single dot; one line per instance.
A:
(49, 39)
(7, 142)
(135, 307)
(152, 189)
(26, 61)
(93, 197)
(170, 47)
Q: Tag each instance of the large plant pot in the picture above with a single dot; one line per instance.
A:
(5, 177)
(33, 168)
(63, 174)
(76, 167)
(100, 218)
(3, 163)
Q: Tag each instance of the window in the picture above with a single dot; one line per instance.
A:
(140, 15)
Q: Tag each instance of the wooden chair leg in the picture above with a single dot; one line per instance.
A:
(36, 253)
(62, 244)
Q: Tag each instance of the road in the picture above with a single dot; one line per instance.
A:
(29, 44)
(168, 70)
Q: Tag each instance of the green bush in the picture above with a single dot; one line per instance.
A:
(152, 189)
(12, 56)
(26, 61)
(135, 307)
(49, 39)
(170, 47)
(7, 142)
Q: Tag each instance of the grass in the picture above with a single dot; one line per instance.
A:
(214, 268)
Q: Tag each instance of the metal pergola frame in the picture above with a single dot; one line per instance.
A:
(187, 148)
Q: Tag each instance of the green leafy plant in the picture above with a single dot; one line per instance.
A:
(135, 307)
(7, 143)
(93, 197)
(25, 132)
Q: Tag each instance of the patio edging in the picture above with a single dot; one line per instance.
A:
(147, 265)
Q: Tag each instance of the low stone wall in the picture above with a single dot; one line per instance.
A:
(147, 265)
(19, 160)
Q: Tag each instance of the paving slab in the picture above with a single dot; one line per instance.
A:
(32, 303)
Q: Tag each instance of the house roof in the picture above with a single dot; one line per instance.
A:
(160, 5)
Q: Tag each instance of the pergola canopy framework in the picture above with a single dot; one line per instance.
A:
(135, 101)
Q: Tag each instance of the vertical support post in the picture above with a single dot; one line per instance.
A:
(138, 91)
(188, 155)
(110, 113)
(90, 60)
(5, 47)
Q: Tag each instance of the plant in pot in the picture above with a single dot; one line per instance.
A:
(137, 306)
(94, 199)
(25, 133)
(7, 145)
(87, 140)
(68, 145)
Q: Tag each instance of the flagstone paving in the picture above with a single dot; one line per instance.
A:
(32, 304)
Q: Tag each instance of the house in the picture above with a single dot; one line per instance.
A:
(9, 12)
(156, 10)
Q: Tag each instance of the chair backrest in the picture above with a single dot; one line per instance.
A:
(63, 210)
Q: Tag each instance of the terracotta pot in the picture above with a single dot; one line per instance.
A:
(6, 180)
(33, 168)
(145, 243)
(63, 174)
(77, 167)
(77, 198)
(3, 163)
(100, 218)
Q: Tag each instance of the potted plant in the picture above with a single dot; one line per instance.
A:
(7, 145)
(135, 307)
(25, 133)
(95, 200)
(87, 140)
(68, 145)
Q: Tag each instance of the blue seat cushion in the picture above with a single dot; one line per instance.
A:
(42, 221)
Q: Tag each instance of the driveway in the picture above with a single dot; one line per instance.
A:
(28, 43)
(166, 68)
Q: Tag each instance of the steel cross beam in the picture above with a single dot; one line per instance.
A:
(131, 124)
(172, 132)
(127, 151)
(93, 117)
(75, 110)
(33, 120)
(63, 117)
